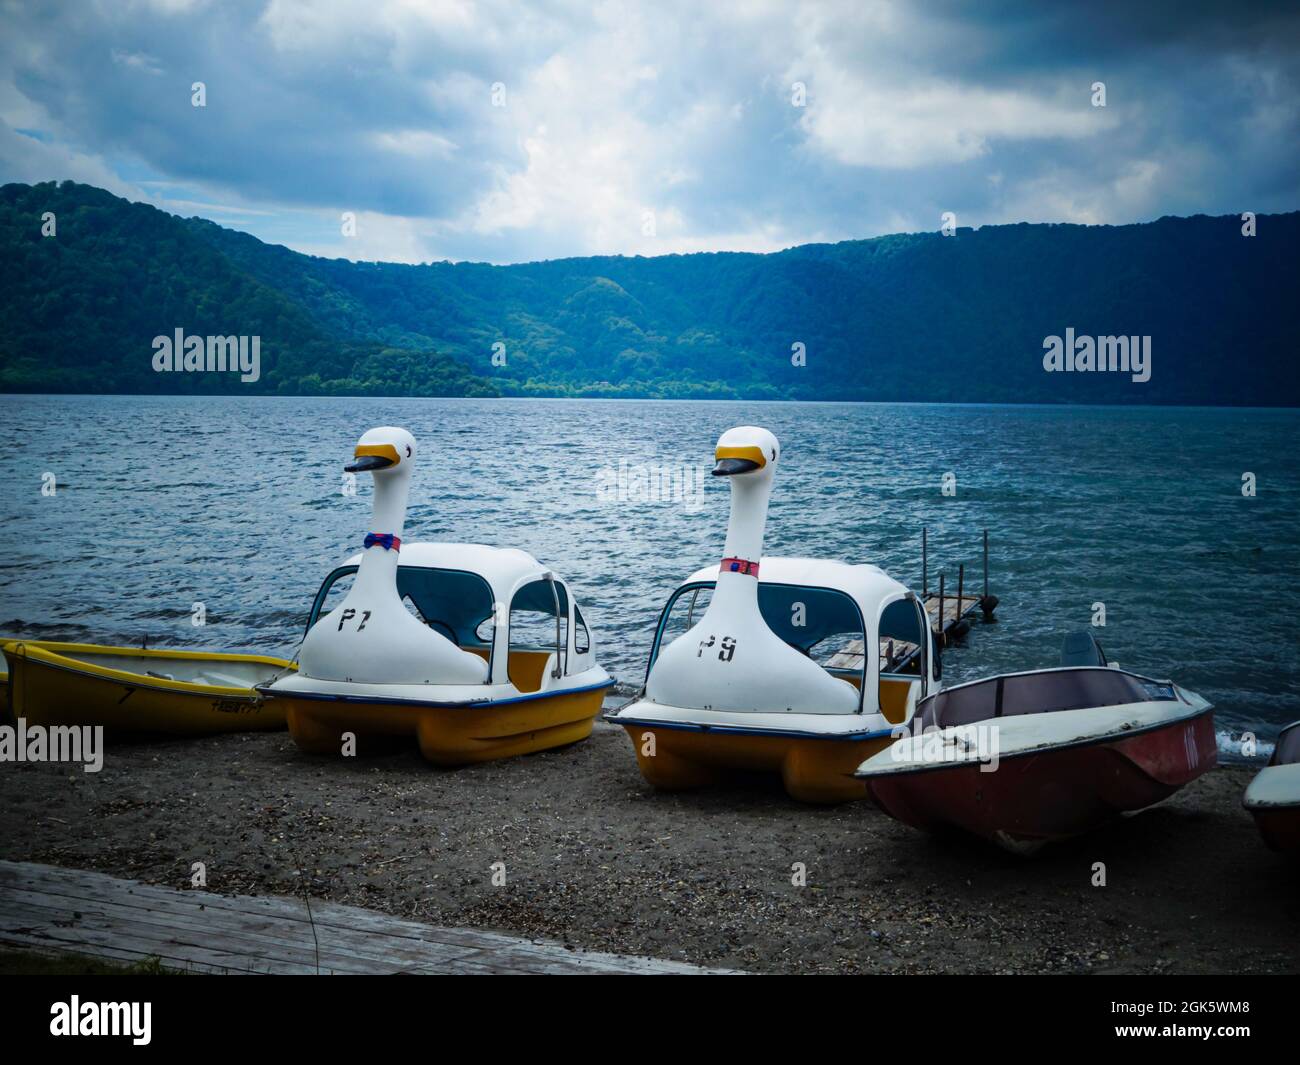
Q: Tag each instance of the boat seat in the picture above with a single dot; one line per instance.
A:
(548, 678)
(896, 699)
(530, 671)
(220, 680)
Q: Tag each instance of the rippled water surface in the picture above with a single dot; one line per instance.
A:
(237, 503)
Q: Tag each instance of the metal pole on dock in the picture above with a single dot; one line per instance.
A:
(925, 559)
(941, 633)
(988, 602)
(960, 626)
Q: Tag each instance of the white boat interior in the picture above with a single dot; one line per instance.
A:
(214, 672)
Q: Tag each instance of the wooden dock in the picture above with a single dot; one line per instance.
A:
(954, 613)
(45, 908)
(894, 654)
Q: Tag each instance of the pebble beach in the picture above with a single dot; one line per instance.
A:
(594, 858)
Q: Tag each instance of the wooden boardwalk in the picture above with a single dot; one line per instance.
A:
(46, 908)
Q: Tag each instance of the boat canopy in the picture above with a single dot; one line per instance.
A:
(810, 602)
(503, 568)
(463, 590)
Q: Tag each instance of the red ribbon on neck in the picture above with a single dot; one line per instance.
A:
(739, 565)
(387, 541)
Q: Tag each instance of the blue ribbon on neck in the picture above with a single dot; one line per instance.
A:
(387, 541)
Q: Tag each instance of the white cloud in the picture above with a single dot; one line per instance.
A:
(906, 127)
(24, 158)
(1060, 196)
(140, 61)
(416, 143)
(379, 238)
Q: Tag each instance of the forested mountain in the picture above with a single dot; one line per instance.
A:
(909, 317)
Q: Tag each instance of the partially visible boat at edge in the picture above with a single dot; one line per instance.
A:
(1023, 759)
(1273, 797)
(133, 689)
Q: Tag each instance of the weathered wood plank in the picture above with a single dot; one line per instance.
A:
(952, 611)
(67, 909)
(343, 932)
(340, 950)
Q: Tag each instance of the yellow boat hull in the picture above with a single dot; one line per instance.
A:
(813, 770)
(50, 684)
(447, 735)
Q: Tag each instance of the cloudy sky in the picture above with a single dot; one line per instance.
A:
(510, 131)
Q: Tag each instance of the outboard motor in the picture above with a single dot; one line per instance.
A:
(1082, 649)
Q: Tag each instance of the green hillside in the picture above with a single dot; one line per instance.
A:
(911, 317)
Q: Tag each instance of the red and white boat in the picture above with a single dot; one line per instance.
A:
(1027, 758)
(1273, 797)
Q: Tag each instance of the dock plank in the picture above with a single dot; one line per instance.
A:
(48, 908)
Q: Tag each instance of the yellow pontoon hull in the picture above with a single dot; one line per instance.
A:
(48, 685)
(813, 770)
(447, 735)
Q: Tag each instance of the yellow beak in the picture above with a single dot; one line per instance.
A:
(733, 460)
(373, 457)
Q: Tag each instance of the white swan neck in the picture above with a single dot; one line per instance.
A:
(737, 588)
(379, 564)
(745, 527)
(389, 515)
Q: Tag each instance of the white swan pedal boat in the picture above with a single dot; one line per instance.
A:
(478, 652)
(771, 664)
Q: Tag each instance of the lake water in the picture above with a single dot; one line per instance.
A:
(237, 503)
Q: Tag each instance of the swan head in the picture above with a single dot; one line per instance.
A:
(746, 451)
(383, 451)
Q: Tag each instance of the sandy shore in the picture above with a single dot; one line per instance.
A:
(596, 859)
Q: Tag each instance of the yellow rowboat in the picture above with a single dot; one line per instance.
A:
(130, 689)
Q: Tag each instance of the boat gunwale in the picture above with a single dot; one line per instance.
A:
(269, 693)
(1254, 804)
(1033, 752)
(49, 653)
(729, 729)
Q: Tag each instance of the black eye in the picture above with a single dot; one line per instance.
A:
(408, 451)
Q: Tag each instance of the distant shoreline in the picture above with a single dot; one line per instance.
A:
(654, 399)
